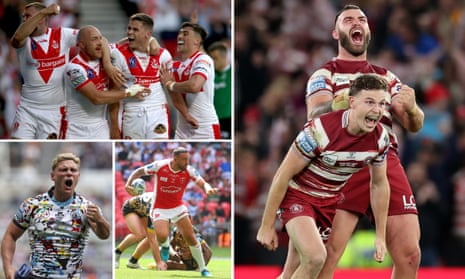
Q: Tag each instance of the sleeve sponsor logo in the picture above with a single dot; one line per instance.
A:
(316, 84)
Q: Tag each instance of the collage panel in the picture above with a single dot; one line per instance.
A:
(56, 209)
(172, 209)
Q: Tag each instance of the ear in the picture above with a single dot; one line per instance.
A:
(335, 34)
(351, 101)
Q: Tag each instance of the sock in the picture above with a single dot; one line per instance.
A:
(133, 260)
(118, 251)
(197, 255)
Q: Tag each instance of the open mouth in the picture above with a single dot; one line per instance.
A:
(371, 120)
(69, 182)
(357, 37)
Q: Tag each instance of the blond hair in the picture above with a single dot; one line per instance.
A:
(65, 157)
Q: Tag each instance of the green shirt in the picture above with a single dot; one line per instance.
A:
(222, 99)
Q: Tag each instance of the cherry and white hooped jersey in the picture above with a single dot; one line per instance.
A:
(142, 69)
(334, 154)
(42, 63)
(200, 104)
(336, 75)
(78, 73)
(169, 185)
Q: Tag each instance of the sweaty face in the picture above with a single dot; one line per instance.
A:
(182, 160)
(66, 176)
(367, 108)
(353, 31)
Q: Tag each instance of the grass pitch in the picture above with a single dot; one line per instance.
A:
(220, 266)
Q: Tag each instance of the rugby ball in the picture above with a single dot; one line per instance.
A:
(139, 186)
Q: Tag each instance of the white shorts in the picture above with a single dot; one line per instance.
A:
(173, 214)
(35, 123)
(144, 123)
(211, 132)
(99, 130)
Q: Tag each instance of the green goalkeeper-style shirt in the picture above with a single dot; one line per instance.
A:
(222, 99)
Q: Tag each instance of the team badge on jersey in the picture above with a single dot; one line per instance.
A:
(160, 129)
(296, 208)
(132, 62)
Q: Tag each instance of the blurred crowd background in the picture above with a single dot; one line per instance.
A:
(279, 44)
(25, 172)
(211, 214)
(168, 15)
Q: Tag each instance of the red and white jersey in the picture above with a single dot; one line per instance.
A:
(336, 75)
(42, 63)
(334, 154)
(78, 73)
(169, 185)
(200, 104)
(141, 68)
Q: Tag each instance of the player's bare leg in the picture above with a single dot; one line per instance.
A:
(153, 245)
(187, 230)
(344, 223)
(402, 239)
(304, 234)
(162, 229)
(292, 262)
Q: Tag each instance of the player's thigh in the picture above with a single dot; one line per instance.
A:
(162, 228)
(25, 124)
(185, 227)
(49, 122)
(133, 125)
(135, 224)
(402, 234)
(303, 232)
(344, 223)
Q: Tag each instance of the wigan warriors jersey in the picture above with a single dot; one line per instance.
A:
(58, 234)
(42, 62)
(200, 104)
(334, 154)
(169, 185)
(336, 76)
(141, 68)
(78, 73)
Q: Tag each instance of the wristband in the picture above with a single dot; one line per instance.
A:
(133, 90)
(171, 85)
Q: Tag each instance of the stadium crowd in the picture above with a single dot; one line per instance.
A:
(279, 44)
(210, 214)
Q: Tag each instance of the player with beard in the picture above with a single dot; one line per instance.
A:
(58, 223)
(171, 179)
(327, 90)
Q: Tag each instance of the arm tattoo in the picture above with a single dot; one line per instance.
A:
(320, 109)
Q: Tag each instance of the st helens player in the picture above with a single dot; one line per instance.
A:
(191, 86)
(42, 53)
(148, 119)
(171, 179)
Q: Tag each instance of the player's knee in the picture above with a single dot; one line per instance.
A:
(409, 255)
(313, 261)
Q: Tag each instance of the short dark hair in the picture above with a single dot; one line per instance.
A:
(368, 82)
(197, 29)
(144, 18)
(345, 8)
(221, 46)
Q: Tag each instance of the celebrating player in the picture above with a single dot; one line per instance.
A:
(172, 177)
(326, 88)
(148, 119)
(87, 89)
(191, 84)
(42, 54)
(323, 157)
(58, 223)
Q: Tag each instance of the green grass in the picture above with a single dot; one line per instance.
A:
(220, 266)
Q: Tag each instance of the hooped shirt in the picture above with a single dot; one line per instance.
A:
(78, 73)
(200, 104)
(42, 63)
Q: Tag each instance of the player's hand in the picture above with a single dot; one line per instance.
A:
(340, 101)
(130, 190)
(268, 238)
(191, 120)
(138, 91)
(162, 265)
(380, 250)
(93, 213)
(53, 9)
(209, 189)
(115, 133)
(115, 75)
(166, 75)
(406, 99)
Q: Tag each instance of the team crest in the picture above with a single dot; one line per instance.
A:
(296, 208)
(160, 129)
(90, 73)
(132, 62)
